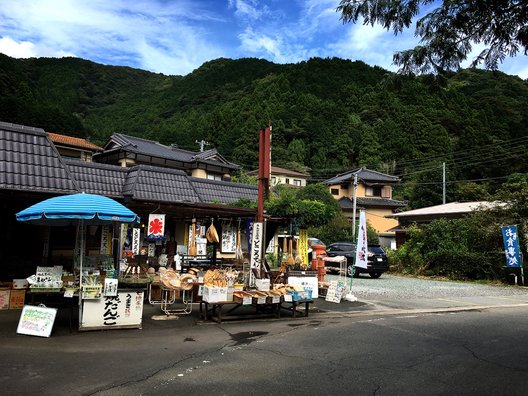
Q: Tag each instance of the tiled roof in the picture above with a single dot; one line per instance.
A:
(150, 183)
(73, 142)
(213, 191)
(365, 202)
(30, 162)
(365, 175)
(151, 148)
(94, 178)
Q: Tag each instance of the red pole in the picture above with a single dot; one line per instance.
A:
(264, 170)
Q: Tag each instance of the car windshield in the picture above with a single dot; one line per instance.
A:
(376, 250)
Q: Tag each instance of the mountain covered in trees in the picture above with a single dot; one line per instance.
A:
(328, 116)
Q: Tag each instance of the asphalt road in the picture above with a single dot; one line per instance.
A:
(372, 347)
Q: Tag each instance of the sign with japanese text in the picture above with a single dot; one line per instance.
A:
(106, 241)
(36, 320)
(136, 241)
(124, 310)
(361, 247)
(156, 227)
(228, 239)
(511, 246)
(255, 253)
(303, 245)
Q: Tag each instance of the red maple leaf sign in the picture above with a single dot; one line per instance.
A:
(155, 226)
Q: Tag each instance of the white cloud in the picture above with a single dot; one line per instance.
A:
(10, 47)
(26, 49)
(247, 9)
(160, 36)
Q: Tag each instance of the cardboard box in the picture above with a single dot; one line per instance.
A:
(4, 298)
(17, 299)
(214, 294)
(262, 284)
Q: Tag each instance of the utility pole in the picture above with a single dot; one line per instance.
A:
(443, 184)
(202, 143)
(354, 207)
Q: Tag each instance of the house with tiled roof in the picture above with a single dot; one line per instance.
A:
(373, 194)
(32, 169)
(74, 147)
(126, 151)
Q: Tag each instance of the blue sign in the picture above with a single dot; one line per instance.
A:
(511, 246)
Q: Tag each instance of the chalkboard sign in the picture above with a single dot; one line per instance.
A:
(36, 320)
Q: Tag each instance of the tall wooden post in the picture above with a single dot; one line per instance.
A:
(264, 170)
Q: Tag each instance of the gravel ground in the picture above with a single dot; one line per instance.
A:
(401, 287)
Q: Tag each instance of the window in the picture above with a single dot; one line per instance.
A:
(287, 181)
(273, 180)
(373, 191)
(334, 191)
(212, 176)
(296, 182)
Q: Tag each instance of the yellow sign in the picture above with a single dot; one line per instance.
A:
(303, 245)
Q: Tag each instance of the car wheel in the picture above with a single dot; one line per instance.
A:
(375, 275)
(350, 270)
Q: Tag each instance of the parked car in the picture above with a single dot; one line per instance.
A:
(377, 261)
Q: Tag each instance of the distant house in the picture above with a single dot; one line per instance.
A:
(373, 194)
(285, 176)
(452, 210)
(73, 147)
(128, 151)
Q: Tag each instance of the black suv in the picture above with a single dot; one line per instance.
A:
(377, 262)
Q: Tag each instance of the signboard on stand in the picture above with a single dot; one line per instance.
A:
(336, 290)
(36, 321)
(125, 310)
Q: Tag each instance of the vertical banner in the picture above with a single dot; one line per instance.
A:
(156, 227)
(303, 245)
(106, 241)
(249, 228)
(136, 241)
(255, 255)
(229, 241)
(511, 246)
(361, 246)
(123, 237)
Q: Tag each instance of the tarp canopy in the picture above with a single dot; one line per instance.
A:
(66, 209)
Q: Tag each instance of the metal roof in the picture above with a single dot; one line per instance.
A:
(451, 208)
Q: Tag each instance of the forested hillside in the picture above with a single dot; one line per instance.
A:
(328, 115)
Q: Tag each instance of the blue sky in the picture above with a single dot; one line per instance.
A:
(175, 37)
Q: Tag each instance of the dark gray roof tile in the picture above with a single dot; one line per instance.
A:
(365, 175)
(213, 191)
(25, 151)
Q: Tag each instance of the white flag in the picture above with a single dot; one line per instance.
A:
(361, 247)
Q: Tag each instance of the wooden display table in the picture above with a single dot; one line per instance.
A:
(215, 310)
(292, 306)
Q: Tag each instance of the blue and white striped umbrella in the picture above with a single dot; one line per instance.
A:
(93, 209)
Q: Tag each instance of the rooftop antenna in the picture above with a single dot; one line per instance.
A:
(202, 143)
